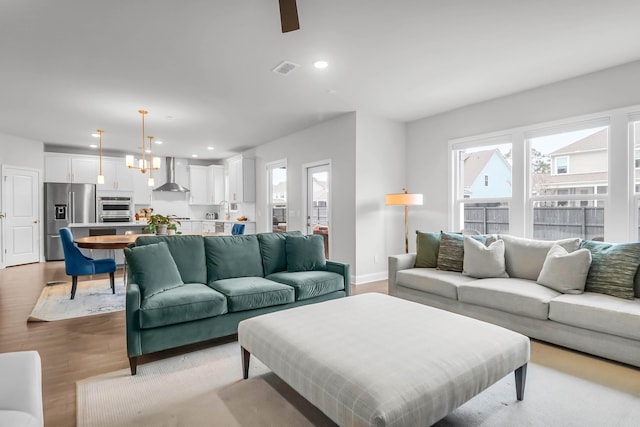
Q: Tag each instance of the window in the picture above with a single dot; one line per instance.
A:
(569, 204)
(483, 187)
(637, 157)
(278, 195)
(562, 164)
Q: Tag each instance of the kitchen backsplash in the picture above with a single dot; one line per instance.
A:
(178, 204)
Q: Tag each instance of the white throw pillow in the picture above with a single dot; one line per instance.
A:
(565, 271)
(482, 261)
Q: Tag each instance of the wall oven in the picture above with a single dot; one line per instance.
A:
(115, 209)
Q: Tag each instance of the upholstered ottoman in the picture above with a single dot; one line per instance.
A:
(376, 360)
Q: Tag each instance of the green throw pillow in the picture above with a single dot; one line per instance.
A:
(305, 253)
(451, 252)
(152, 268)
(428, 245)
(613, 268)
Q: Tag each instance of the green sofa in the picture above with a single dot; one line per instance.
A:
(187, 289)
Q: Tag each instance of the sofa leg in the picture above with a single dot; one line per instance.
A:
(521, 377)
(113, 282)
(74, 286)
(245, 363)
(133, 363)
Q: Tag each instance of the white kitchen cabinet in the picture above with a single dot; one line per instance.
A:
(117, 176)
(71, 168)
(241, 176)
(206, 184)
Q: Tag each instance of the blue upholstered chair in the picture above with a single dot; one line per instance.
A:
(77, 264)
(237, 229)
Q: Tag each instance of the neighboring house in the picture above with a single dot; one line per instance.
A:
(578, 168)
(487, 174)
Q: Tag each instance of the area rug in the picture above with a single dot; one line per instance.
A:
(92, 297)
(206, 388)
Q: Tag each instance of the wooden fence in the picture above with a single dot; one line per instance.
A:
(549, 223)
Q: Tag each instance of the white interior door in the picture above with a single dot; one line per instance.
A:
(21, 196)
(318, 202)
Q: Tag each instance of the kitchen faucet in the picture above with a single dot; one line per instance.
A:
(220, 207)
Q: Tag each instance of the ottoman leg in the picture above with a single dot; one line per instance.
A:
(245, 363)
(521, 378)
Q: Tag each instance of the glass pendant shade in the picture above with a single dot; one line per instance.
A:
(100, 179)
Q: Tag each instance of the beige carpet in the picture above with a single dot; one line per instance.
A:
(92, 297)
(206, 388)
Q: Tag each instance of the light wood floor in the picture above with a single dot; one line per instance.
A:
(75, 349)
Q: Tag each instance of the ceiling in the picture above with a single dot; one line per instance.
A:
(203, 68)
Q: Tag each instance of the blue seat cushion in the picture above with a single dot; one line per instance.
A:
(191, 301)
(309, 284)
(104, 265)
(247, 293)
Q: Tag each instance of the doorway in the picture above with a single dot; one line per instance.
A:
(318, 206)
(21, 207)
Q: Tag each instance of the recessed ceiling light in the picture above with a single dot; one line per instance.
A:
(321, 64)
(194, 155)
(95, 135)
(93, 146)
(147, 150)
(158, 141)
(210, 148)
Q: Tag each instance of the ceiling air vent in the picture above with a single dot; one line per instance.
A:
(285, 67)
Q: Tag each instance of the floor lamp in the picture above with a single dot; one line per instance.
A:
(405, 199)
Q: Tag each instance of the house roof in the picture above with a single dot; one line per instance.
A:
(596, 141)
(474, 163)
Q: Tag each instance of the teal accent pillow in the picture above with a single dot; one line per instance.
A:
(152, 268)
(272, 248)
(188, 253)
(451, 252)
(428, 246)
(613, 268)
(305, 253)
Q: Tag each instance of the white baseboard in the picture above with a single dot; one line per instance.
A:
(367, 278)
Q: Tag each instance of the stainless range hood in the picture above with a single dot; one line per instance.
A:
(171, 184)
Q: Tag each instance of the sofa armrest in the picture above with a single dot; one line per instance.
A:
(133, 301)
(21, 385)
(397, 263)
(342, 269)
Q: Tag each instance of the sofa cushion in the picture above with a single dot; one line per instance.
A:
(438, 282)
(598, 312)
(247, 293)
(305, 253)
(193, 301)
(516, 296)
(482, 261)
(451, 252)
(613, 268)
(565, 272)
(232, 256)
(427, 247)
(188, 253)
(309, 284)
(524, 257)
(153, 268)
(272, 248)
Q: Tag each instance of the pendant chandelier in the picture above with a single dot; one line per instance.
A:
(144, 165)
(100, 176)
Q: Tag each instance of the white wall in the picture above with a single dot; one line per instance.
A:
(333, 140)
(380, 159)
(427, 138)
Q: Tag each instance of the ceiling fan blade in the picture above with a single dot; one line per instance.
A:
(289, 16)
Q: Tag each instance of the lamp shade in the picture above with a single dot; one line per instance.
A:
(404, 199)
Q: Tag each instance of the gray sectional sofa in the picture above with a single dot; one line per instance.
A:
(186, 289)
(588, 321)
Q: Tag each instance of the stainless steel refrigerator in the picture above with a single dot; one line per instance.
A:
(64, 204)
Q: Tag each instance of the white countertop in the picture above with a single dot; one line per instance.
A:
(214, 220)
(108, 224)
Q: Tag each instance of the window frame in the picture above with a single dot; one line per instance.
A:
(278, 164)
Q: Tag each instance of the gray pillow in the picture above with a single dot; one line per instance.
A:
(451, 251)
(524, 257)
(565, 272)
(482, 261)
(613, 268)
